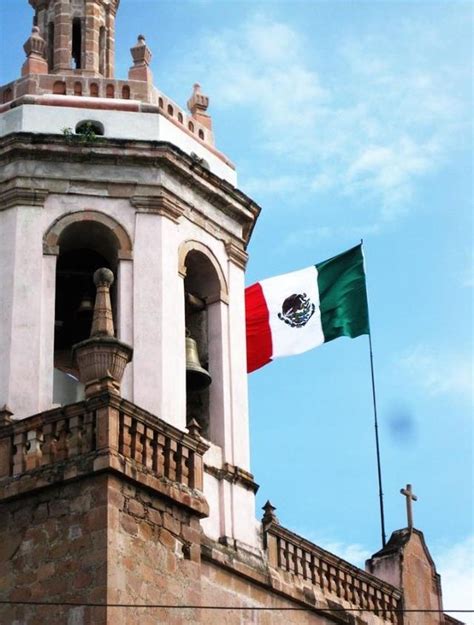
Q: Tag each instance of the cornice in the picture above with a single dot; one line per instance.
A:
(19, 196)
(154, 154)
(164, 203)
(234, 475)
(236, 255)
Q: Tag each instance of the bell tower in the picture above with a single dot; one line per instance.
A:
(111, 174)
(79, 35)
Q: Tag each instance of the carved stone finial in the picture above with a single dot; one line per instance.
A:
(35, 44)
(102, 321)
(198, 101)
(102, 358)
(34, 48)
(197, 104)
(141, 55)
(194, 428)
(269, 515)
(5, 415)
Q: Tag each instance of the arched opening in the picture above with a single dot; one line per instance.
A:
(84, 242)
(94, 89)
(89, 127)
(201, 134)
(202, 288)
(170, 110)
(191, 126)
(77, 88)
(102, 51)
(76, 43)
(59, 87)
(110, 91)
(126, 92)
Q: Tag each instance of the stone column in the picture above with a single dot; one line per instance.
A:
(62, 37)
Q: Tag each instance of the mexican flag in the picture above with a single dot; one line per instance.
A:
(297, 311)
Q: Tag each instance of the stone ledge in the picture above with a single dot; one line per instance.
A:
(93, 463)
(234, 475)
(256, 570)
(218, 192)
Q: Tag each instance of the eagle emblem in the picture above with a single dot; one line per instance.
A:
(297, 310)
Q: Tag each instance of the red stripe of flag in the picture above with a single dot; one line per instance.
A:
(259, 337)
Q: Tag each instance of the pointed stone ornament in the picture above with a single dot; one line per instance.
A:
(269, 515)
(102, 358)
(198, 104)
(34, 48)
(141, 55)
(194, 428)
(5, 415)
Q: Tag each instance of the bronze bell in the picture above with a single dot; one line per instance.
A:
(197, 378)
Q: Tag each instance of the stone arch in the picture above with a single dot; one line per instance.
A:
(52, 235)
(221, 292)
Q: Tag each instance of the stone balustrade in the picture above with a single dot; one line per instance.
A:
(105, 432)
(331, 576)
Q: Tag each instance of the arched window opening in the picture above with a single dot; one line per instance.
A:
(201, 134)
(110, 91)
(88, 126)
(76, 43)
(170, 110)
(200, 285)
(94, 90)
(50, 47)
(180, 118)
(126, 92)
(78, 88)
(59, 87)
(102, 51)
(160, 103)
(191, 126)
(83, 247)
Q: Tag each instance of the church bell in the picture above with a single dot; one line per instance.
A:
(197, 378)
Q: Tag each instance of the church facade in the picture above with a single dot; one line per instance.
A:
(126, 494)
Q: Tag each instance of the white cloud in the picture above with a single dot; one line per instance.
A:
(438, 373)
(389, 117)
(456, 567)
(354, 553)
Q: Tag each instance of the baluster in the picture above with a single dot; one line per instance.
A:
(356, 593)
(324, 576)
(127, 436)
(6, 456)
(19, 442)
(48, 438)
(140, 448)
(185, 463)
(33, 445)
(170, 447)
(332, 573)
(161, 455)
(75, 435)
(315, 577)
(88, 432)
(149, 448)
(61, 438)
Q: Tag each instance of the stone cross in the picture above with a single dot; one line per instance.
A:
(410, 497)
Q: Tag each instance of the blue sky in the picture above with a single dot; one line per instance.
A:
(346, 120)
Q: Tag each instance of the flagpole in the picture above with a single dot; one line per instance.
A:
(376, 427)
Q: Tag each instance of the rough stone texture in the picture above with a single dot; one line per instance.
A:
(406, 563)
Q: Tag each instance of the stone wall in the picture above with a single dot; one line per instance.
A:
(53, 547)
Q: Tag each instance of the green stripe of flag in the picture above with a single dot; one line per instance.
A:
(343, 295)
